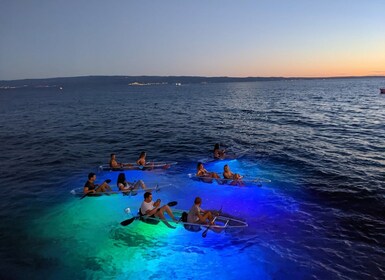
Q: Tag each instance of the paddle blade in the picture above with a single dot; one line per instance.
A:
(127, 222)
(172, 203)
(204, 234)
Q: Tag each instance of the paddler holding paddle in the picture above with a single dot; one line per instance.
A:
(198, 215)
(150, 208)
(91, 187)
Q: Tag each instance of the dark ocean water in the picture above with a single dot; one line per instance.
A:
(320, 142)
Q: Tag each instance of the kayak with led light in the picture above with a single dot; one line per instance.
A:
(222, 222)
(232, 182)
(134, 166)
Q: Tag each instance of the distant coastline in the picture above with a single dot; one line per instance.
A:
(149, 80)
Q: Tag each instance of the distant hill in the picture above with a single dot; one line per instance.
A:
(141, 80)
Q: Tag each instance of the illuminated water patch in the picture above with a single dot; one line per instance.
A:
(84, 238)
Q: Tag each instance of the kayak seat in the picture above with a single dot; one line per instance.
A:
(148, 221)
(193, 228)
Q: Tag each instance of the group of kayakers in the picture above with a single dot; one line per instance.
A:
(227, 174)
(122, 183)
(150, 208)
(196, 214)
(141, 161)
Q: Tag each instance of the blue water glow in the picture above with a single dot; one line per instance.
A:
(320, 142)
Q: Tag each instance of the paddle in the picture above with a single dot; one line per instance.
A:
(129, 221)
(86, 194)
(204, 234)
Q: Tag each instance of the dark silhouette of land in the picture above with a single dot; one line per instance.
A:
(145, 81)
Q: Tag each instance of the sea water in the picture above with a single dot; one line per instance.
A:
(320, 142)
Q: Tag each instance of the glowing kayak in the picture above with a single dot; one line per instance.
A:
(222, 222)
(242, 182)
(134, 166)
(79, 191)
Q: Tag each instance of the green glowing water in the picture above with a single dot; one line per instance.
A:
(83, 239)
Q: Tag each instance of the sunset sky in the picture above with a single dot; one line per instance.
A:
(64, 38)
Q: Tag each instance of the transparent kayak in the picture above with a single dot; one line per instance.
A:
(134, 166)
(231, 182)
(79, 191)
(222, 222)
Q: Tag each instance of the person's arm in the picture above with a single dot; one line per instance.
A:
(202, 173)
(86, 188)
(121, 186)
(152, 211)
(200, 214)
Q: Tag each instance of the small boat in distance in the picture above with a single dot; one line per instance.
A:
(382, 90)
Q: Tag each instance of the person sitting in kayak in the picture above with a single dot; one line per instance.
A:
(218, 153)
(202, 172)
(115, 164)
(153, 209)
(142, 159)
(91, 187)
(126, 187)
(197, 215)
(227, 174)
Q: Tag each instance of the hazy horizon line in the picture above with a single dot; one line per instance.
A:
(196, 76)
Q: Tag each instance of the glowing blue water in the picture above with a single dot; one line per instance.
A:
(320, 142)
